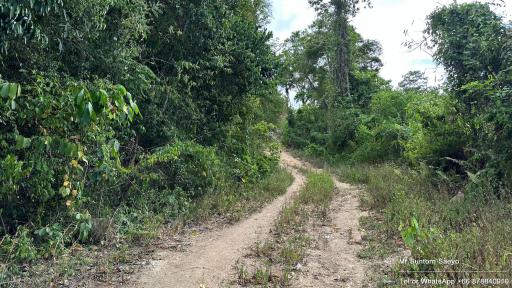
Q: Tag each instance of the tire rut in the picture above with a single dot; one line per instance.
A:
(334, 263)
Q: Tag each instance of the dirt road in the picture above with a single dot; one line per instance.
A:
(209, 260)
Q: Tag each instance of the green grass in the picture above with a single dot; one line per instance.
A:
(475, 230)
(238, 201)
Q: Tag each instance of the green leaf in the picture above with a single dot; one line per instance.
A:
(80, 97)
(4, 92)
(130, 114)
(119, 100)
(13, 91)
(85, 229)
(121, 90)
(88, 113)
(103, 98)
(64, 191)
(10, 90)
(134, 107)
(22, 142)
(415, 224)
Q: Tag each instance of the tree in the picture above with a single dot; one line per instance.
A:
(311, 68)
(216, 60)
(368, 55)
(473, 44)
(414, 80)
(467, 40)
(202, 73)
(341, 10)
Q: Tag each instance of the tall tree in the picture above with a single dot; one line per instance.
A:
(467, 40)
(341, 11)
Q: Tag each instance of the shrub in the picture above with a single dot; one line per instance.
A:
(57, 146)
(306, 126)
(433, 130)
(420, 126)
(251, 153)
(188, 166)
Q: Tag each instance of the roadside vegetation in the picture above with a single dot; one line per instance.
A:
(118, 118)
(273, 262)
(435, 161)
(130, 238)
(416, 209)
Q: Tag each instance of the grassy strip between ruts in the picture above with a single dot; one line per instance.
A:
(117, 258)
(417, 210)
(272, 262)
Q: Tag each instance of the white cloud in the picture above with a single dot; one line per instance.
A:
(385, 22)
(290, 16)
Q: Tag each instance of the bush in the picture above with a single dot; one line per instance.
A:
(306, 126)
(57, 146)
(433, 130)
(412, 124)
(251, 153)
(188, 166)
(378, 144)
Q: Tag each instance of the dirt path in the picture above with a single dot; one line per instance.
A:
(210, 257)
(334, 262)
(209, 260)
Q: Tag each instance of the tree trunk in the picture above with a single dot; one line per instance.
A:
(341, 70)
(341, 8)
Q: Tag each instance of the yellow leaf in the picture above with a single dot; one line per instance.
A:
(68, 203)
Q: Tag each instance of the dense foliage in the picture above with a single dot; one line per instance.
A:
(136, 106)
(461, 128)
(310, 60)
(436, 160)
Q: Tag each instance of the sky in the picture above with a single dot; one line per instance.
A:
(385, 22)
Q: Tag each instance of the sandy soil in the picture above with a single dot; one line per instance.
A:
(209, 259)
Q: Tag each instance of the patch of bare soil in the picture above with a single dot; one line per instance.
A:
(210, 255)
(334, 261)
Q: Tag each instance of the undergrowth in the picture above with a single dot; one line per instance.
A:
(417, 210)
(130, 230)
